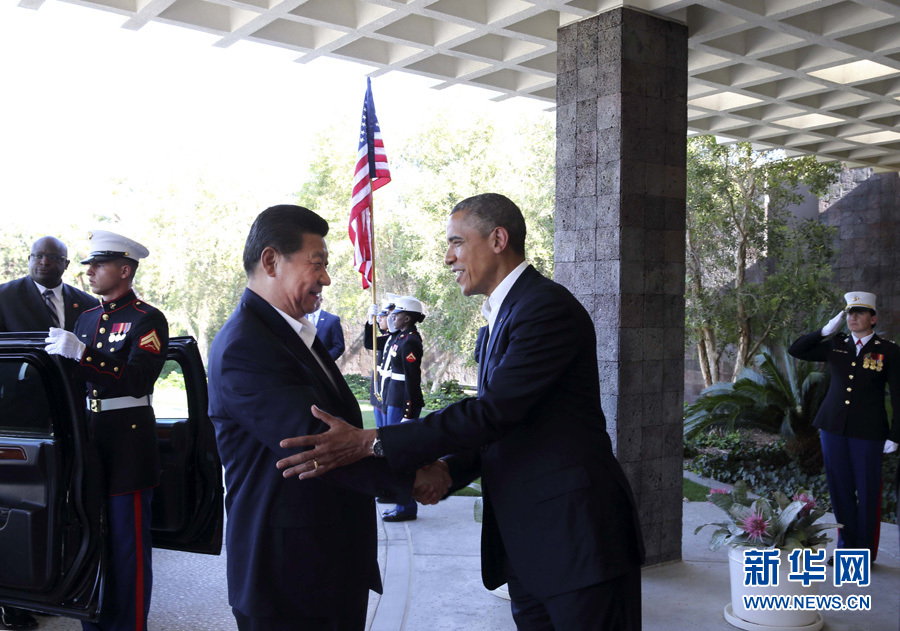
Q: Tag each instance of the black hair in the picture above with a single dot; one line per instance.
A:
(281, 228)
(492, 210)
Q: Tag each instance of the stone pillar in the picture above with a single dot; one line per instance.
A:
(619, 245)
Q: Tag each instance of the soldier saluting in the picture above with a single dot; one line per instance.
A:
(852, 420)
(119, 349)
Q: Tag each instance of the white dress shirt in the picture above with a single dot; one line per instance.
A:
(495, 300)
(864, 340)
(307, 333)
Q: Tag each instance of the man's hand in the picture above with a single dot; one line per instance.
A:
(890, 446)
(373, 311)
(65, 343)
(341, 445)
(432, 482)
(833, 324)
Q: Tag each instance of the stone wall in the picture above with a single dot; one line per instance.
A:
(865, 208)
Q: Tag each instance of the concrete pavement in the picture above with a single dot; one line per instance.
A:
(432, 581)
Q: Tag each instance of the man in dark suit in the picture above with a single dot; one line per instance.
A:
(41, 300)
(267, 371)
(35, 303)
(560, 525)
(852, 420)
(329, 330)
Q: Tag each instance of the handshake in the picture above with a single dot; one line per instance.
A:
(432, 482)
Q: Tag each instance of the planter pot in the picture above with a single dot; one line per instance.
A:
(759, 620)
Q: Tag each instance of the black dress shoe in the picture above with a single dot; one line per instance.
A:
(397, 515)
(12, 618)
(383, 500)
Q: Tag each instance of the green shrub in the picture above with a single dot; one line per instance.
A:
(359, 386)
(449, 392)
(771, 468)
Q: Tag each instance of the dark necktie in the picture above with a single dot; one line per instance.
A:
(483, 360)
(48, 300)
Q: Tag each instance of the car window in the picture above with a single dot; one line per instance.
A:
(170, 400)
(24, 399)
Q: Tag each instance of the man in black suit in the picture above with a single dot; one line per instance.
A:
(329, 330)
(560, 525)
(852, 420)
(35, 303)
(41, 300)
(267, 372)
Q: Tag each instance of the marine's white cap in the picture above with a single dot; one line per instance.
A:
(408, 304)
(107, 246)
(861, 299)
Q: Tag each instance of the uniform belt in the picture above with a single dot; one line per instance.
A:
(118, 403)
(398, 376)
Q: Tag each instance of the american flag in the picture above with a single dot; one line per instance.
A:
(372, 172)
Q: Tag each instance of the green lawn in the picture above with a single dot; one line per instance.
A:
(695, 492)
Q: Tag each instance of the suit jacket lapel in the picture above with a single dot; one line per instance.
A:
(292, 341)
(34, 303)
(515, 292)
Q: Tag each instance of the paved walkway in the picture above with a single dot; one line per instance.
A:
(432, 582)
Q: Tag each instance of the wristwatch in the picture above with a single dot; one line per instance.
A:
(377, 448)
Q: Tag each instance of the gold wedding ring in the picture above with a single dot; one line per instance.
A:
(315, 464)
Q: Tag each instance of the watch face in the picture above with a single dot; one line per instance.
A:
(377, 449)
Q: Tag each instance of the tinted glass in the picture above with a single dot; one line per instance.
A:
(24, 399)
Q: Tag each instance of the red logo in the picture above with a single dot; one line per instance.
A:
(410, 358)
(150, 342)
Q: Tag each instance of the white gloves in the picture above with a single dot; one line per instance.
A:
(833, 324)
(62, 342)
(890, 446)
(373, 311)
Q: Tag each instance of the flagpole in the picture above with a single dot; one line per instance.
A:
(374, 300)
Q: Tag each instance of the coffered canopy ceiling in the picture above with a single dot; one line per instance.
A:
(812, 76)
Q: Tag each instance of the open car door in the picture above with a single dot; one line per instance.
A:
(51, 486)
(188, 508)
(52, 519)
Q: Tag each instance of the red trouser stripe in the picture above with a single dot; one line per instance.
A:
(139, 549)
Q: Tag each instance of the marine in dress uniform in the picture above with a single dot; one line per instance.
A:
(377, 385)
(404, 400)
(119, 348)
(852, 420)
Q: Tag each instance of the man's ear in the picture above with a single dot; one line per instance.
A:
(125, 271)
(498, 239)
(268, 261)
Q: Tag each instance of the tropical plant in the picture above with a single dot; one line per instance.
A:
(767, 523)
(779, 394)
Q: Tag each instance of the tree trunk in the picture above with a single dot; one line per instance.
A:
(439, 377)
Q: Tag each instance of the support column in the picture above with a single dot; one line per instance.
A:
(619, 245)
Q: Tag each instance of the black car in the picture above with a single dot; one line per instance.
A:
(52, 503)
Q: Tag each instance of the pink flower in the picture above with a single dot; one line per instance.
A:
(721, 491)
(755, 526)
(809, 503)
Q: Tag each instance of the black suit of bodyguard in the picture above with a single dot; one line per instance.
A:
(22, 308)
(119, 348)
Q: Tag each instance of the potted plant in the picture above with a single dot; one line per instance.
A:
(778, 523)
